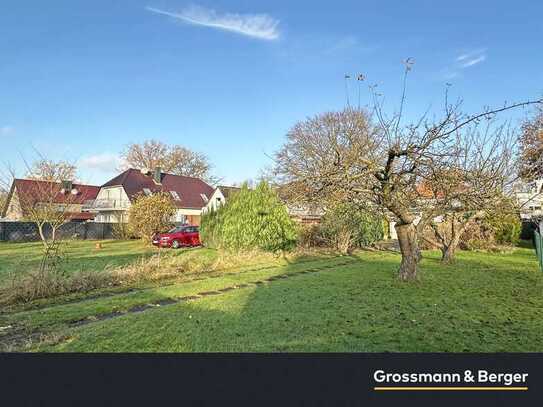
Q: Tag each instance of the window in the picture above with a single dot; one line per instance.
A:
(175, 195)
(204, 198)
(147, 191)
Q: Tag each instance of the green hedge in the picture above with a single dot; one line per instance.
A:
(251, 219)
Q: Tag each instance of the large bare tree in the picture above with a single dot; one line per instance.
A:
(376, 158)
(174, 159)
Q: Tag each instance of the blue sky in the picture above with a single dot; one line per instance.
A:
(80, 80)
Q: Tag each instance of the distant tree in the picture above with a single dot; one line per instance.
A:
(3, 200)
(150, 214)
(174, 159)
(531, 147)
(49, 170)
(6, 180)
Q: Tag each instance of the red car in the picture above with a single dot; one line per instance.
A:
(180, 236)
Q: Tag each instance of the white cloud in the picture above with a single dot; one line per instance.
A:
(5, 130)
(473, 61)
(260, 26)
(106, 162)
(463, 61)
(471, 58)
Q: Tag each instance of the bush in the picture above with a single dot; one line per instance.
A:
(505, 227)
(348, 226)
(494, 230)
(310, 236)
(151, 214)
(251, 219)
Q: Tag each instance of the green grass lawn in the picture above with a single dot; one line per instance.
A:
(81, 255)
(483, 303)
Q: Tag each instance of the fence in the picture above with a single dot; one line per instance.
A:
(28, 231)
(538, 242)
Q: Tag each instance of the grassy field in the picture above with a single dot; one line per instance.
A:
(81, 255)
(483, 303)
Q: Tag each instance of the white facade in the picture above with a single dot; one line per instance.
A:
(112, 205)
(530, 199)
(216, 200)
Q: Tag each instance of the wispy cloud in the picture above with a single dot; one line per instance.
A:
(106, 162)
(463, 61)
(5, 130)
(261, 26)
(471, 58)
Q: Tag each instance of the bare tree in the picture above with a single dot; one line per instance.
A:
(474, 182)
(47, 204)
(357, 155)
(48, 170)
(7, 175)
(48, 200)
(531, 143)
(174, 159)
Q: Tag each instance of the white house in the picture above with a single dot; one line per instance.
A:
(530, 199)
(190, 195)
(219, 197)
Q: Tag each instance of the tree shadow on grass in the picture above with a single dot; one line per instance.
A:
(355, 308)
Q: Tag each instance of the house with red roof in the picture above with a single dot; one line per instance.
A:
(190, 195)
(69, 197)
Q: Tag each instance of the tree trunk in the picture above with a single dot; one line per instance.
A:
(42, 235)
(448, 253)
(407, 237)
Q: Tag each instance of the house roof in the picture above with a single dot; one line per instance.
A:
(189, 189)
(35, 189)
(228, 191)
(81, 216)
(31, 191)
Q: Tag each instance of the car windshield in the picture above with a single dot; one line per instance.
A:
(177, 229)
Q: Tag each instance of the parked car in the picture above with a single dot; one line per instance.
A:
(181, 236)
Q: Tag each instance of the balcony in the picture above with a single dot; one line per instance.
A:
(106, 205)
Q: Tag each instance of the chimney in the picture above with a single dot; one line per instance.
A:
(157, 175)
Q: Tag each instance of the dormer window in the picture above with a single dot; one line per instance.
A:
(175, 195)
(204, 198)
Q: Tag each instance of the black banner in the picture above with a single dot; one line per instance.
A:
(271, 379)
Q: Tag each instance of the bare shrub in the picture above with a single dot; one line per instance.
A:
(310, 236)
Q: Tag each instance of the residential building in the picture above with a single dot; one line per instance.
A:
(530, 199)
(67, 196)
(190, 195)
(219, 197)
